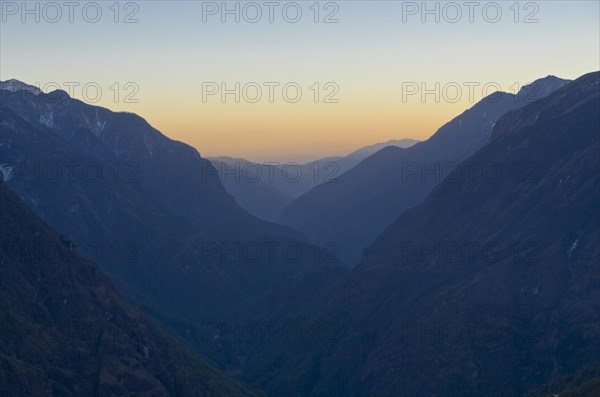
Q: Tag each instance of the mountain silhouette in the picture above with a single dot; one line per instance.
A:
(368, 197)
(490, 287)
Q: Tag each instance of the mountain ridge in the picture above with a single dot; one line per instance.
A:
(490, 286)
(369, 196)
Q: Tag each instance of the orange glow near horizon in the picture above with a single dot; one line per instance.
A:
(293, 134)
(370, 54)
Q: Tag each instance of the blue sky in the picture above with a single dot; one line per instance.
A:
(375, 48)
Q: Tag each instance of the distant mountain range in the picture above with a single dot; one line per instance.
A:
(489, 287)
(265, 189)
(479, 275)
(67, 332)
(368, 197)
(250, 184)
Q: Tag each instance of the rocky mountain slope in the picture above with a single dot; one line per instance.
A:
(66, 331)
(490, 287)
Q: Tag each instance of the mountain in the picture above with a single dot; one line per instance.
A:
(252, 190)
(153, 214)
(342, 164)
(294, 179)
(490, 287)
(365, 199)
(67, 332)
(290, 179)
(351, 160)
(265, 189)
(13, 85)
(584, 383)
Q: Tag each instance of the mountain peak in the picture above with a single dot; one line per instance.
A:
(14, 85)
(542, 87)
(513, 121)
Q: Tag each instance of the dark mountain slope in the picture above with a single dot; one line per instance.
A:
(161, 166)
(66, 331)
(353, 211)
(490, 287)
(585, 383)
(150, 211)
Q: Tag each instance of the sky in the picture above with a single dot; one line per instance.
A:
(294, 81)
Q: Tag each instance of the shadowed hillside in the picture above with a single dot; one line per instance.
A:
(66, 331)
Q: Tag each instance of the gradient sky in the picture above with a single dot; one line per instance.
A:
(370, 54)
